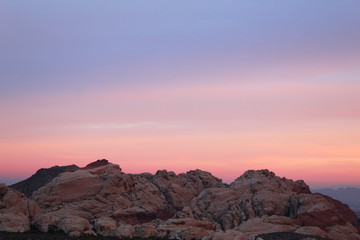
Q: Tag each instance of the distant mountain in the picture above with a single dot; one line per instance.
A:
(41, 178)
(350, 196)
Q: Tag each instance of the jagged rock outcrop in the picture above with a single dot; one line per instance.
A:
(254, 194)
(16, 211)
(101, 199)
(261, 196)
(41, 178)
(105, 191)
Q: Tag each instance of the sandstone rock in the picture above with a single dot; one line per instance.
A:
(75, 226)
(16, 211)
(282, 220)
(180, 189)
(327, 214)
(247, 198)
(346, 231)
(309, 230)
(12, 222)
(192, 205)
(255, 181)
(125, 231)
(40, 178)
(257, 226)
(184, 228)
(42, 222)
(145, 230)
(96, 164)
(227, 235)
(282, 204)
(191, 222)
(96, 191)
(181, 231)
(70, 186)
(190, 233)
(186, 212)
(219, 205)
(105, 226)
(3, 189)
(33, 209)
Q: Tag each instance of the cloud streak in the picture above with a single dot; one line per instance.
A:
(133, 125)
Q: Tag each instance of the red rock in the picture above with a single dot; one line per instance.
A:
(336, 213)
(181, 206)
(17, 212)
(97, 163)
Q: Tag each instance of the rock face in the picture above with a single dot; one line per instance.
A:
(16, 211)
(105, 191)
(101, 199)
(40, 178)
(349, 196)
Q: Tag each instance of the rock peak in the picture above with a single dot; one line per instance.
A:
(257, 179)
(262, 172)
(98, 163)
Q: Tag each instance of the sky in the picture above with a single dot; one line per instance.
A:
(222, 86)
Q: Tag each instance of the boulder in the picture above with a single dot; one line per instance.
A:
(12, 222)
(105, 226)
(17, 212)
(125, 231)
(75, 226)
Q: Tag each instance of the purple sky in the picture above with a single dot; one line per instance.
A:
(221, 86)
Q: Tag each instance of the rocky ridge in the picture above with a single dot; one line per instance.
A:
(102, 200)
(40, 178)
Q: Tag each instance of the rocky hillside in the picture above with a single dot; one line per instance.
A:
(102, 200)
(40, 178)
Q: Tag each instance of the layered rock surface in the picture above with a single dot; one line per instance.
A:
(40, 178)
(16, 211)
(101, 199)
(104, 191)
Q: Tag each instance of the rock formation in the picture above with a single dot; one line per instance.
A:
(349, 196)
(40, 178)
(102, 200)
(92, 193)
(16, 211)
